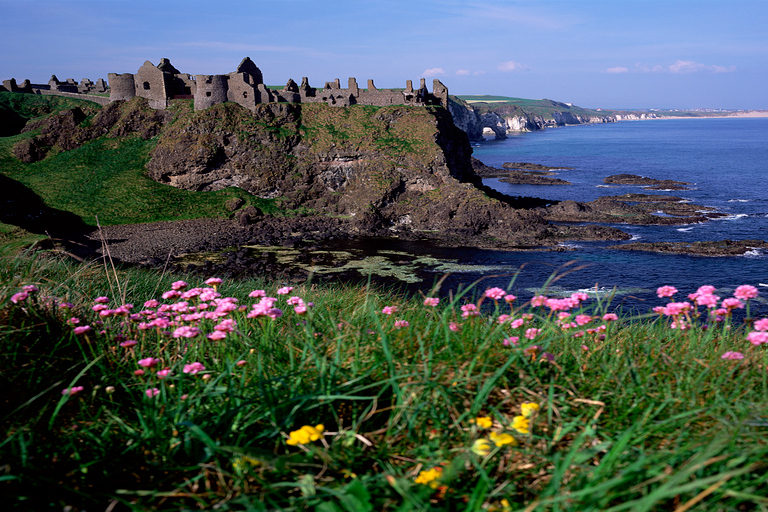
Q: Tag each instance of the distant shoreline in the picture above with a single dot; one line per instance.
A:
(751, 113)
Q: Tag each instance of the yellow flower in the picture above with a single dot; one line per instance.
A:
(481, 447)
(244, 462)
(429, 477)
(503, 439)
(521, 424)
(529, 409)
(483, 422)
(305, 435)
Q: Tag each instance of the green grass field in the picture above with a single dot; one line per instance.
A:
(128, 389)
(122, 393)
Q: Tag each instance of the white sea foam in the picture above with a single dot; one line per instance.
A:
(754, 252)
(733, 216)
(568, 245)
(739, 200)
(635, 237)
(685, 229)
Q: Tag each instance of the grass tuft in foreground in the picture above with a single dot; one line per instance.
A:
(131, 389)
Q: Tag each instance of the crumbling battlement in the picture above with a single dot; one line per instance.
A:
(86, 89)
(245, 86)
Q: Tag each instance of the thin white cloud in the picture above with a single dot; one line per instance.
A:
(511, 65)
(617, 69)
(433, 72)
(462, 72)
(680, 67)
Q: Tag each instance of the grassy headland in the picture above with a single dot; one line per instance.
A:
(130, 389)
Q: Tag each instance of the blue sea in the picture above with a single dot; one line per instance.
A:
(725, 160)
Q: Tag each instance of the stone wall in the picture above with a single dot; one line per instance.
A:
(245, 86)
(86, 90)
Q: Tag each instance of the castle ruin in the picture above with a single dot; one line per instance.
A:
(162, 83)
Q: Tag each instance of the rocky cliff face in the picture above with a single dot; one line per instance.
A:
(509, 118)
(404, 170)
(368, 170)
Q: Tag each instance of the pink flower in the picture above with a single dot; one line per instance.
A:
(504, 318)
(193, 368)
(128, 343)
(82, 329)
(152, 392)
(583, 319)
(579, 296)
(512, 340)
(538, 301)
(732, 355)
(431, 301)
(101, 300)
(745, 292)
(761, 325)
(285, 290)
(509, 298)
(74, 320)
(707, 300)
(255, 294)
(191, 294)
(241, 363)
(732, 303)
(217, 335)
(171, 294)
(294, 301)
(666, 291)
(388, 310)
(19, 297)
(676, 308)
(757, 337)
(72, 391)
(495, 293)
(148, 362)
(469, 310)
(227, 325)
(213, 281)
(165, 372)
(152, 303)
(208, 295)
(454, 326)
(186, 331)
(138, 372)
(401, 323)
(707, 289)
(610, 317)
(179, 285)
(30, 288)
(532, 333)
(517, 323)
(300, 309)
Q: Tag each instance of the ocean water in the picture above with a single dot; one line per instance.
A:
(726, 160)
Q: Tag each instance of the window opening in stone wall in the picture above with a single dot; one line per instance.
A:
(146, 86)
(245, 94)
(207, 93)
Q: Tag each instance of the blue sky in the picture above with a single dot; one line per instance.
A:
(594, 53)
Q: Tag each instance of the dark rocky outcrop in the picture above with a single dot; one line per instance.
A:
(647, 183)
(647, 210)
(389, 171)
(711, 249)
(526, 174)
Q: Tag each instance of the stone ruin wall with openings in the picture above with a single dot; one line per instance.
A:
(245, 86)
